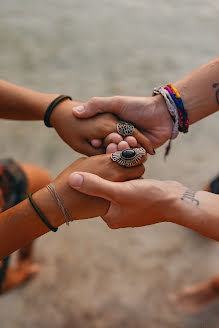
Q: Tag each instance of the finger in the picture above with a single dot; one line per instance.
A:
(96, 143)
(123, 145)
(131, 141)
(112, 138)
(137, 158)
(122, 173)
(143, 141)
(89, 150)
(132, 173)
(111, 148)
(93, 185)
(97, 105)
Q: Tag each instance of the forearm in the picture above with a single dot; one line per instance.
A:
(21, 224)
(18, 103)
(199, 91)
(198, 211)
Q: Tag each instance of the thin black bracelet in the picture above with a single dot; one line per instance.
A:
(50, 108)
(38, 211)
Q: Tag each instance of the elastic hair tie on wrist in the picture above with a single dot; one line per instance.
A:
(51, 107)
(40, 214)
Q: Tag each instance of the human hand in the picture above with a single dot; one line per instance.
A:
(133, 203)
(86, 206)
(93, 136)
(149, 114)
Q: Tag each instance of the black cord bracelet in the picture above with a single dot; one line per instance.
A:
(51, 107)
(42, 217)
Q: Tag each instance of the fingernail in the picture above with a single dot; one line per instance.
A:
(76, 180)
(79, 109)
(154, 151)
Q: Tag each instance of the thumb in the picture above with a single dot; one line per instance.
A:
(93, 185)
(97, 105)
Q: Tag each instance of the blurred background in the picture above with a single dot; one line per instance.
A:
(92, 276)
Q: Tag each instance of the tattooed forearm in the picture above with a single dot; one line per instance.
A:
(216, 85)
(190, 195)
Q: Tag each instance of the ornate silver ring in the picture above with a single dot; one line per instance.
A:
(128, 157)
(125, 128)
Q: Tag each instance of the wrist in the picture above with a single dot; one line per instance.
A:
(60, 111)
(173, 207)
(41, 103)
(49, 207)
(164, 119)
(186, 209)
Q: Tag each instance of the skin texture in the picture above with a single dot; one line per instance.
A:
(143, 202)
(152, 201)
(24, 269)
(197, 297)
(21, 224)
(149, 115)
(133, 203)
(85, 130)
(18, 103)
(199, 91)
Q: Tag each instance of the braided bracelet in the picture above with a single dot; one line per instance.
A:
(51, 107)
(171, 108)
(174, 94)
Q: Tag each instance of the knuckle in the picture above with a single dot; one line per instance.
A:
(108, 127)
(116, 98)
(109, 117)
(117, 101)
(93, 102)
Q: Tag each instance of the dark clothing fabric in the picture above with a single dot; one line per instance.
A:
(13, 184)
(214, 185)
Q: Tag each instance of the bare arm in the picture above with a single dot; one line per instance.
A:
(20, 224)
(141, 202)
(18, 103)
(199, 91)
(198, 211)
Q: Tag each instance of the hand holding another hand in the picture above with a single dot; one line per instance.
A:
(149, 114)
(82, 206)
(93, 136)
(133, 203)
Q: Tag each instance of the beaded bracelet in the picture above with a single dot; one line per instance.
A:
(174, 94)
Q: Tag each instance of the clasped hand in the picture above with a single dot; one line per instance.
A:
(96, 135)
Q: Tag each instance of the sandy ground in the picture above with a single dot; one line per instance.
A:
(92, 276)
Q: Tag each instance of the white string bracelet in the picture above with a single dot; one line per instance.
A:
(60, 203)
(171, 108)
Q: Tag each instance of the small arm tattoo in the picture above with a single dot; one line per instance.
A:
(216, 86)
(190, 195)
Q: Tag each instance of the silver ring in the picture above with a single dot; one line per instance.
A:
(128, 157)
(125, 128)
